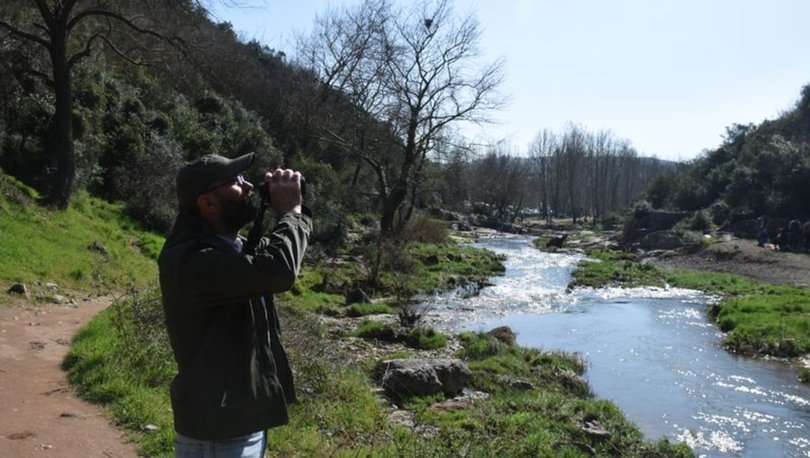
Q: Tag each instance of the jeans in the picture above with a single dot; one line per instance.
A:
(248, 446)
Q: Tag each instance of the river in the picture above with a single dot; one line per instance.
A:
(652, 351)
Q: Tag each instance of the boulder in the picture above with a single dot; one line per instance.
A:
(18, 288)
(404, 378)
(505, 334)
(356, 296)
(98, 247)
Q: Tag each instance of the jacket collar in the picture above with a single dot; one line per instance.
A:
(189, 226)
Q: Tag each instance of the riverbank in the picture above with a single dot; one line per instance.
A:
(764, 302)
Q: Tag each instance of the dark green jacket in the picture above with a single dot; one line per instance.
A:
(233, 376)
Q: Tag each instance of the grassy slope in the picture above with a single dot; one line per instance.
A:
(40, 245)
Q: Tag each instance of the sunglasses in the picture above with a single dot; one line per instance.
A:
(237, 180)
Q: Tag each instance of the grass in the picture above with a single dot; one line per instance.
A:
(364, 309)
(438, 263)
(426, 339)
(758, 318)
(420, 338)
(370, 329)
(122, 361)
(127, 368)
(41, 245)
(611, 267)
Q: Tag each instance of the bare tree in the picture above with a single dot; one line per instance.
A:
(409, 74)
(542, 151)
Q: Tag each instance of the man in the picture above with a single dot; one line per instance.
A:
(233, 380)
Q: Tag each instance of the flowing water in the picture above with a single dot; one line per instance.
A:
(650, 350)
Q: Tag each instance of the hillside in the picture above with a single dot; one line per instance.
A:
(89, 249)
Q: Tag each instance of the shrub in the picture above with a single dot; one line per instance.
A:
(426, 339)
(700, 221)
(370, 329)
(424, 229)
(363, 309)
(610, 220)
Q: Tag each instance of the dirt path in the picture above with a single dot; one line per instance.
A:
(744, 257)
(39, 413)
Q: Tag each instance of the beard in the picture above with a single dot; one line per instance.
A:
(238, 213)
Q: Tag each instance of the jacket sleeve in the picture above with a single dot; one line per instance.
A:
(212, 276)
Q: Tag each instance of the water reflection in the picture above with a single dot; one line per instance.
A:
(650, 350)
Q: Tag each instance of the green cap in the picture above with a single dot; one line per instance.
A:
(198, 176)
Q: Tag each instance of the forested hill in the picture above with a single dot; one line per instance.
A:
(113, 97)
(759, 170)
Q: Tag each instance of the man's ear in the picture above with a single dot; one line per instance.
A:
(207, 204)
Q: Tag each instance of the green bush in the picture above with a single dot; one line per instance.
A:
(363, 309)
(370, 329)
(426, 339)
(700, 221)
(426, 230)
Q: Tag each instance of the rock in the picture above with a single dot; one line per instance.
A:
(98, 247)
(787, 347)
(557, 242)
(58, 299)
(357, 295)
(463, 401)
(150, 428)
(595, 430)
(18, 288)
(52, 286)
(404, 378)
(431, 260)
(521, 385)
(504, 334)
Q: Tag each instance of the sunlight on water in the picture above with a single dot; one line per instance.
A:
(652, 351)
(711, 440)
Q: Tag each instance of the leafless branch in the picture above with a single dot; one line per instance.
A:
(25, 35)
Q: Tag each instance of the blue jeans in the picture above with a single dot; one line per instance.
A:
(248, 446)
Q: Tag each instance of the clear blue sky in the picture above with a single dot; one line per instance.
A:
(668, 75)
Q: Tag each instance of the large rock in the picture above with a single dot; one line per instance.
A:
(18, 288)
(661, 240)
(505, 334)
(404, 378)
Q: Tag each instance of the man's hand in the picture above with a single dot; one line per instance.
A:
(285, 190)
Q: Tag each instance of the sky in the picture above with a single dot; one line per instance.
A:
(667, 75)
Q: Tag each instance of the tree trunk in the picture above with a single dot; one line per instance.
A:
(390, 206)
(61, 151)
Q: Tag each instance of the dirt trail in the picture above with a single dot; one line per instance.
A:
(744, 257)
(39, 413)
